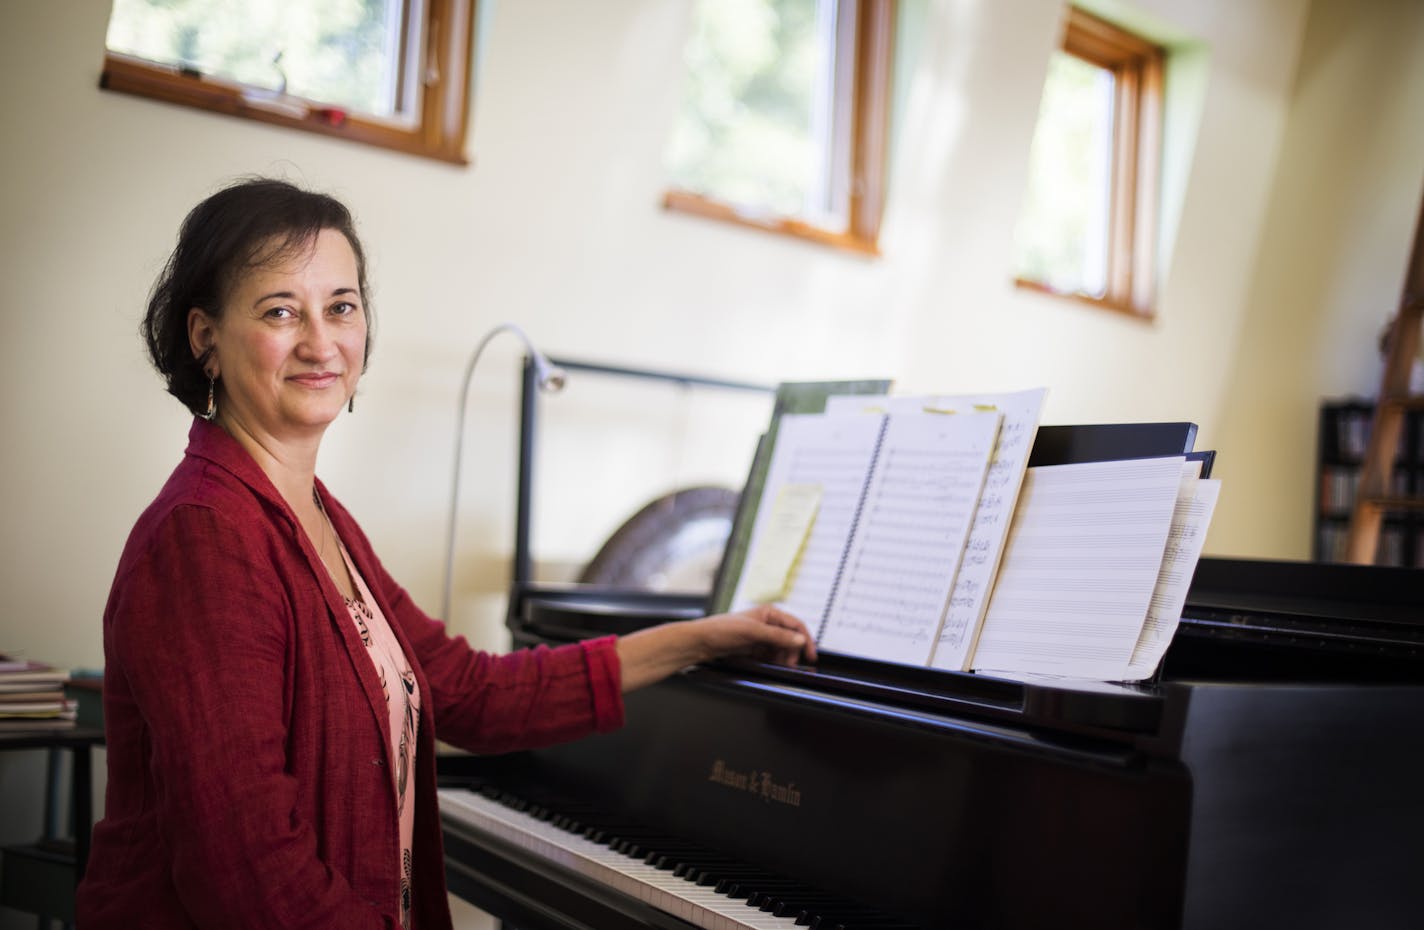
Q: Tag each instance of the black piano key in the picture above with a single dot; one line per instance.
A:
(770, 898)
(759, 888)
(716, 875)
(863, 921)
(803, 903)
(669, 856)
(828, 913)
(804, 908)
(696, 868)
(764, 899)
(629, 833)
(665, 861)
(815, 909)
(736, 879)
(671, 862)
(797, 903)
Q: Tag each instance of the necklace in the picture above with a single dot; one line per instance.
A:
(339, 571)
(325, 523)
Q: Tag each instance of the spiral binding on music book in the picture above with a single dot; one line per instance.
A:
(875, 465)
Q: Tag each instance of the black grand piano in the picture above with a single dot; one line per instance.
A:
(1272, 775)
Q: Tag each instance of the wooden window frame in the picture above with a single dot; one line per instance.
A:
(872, 46)
(443, 114)
(1137, 67)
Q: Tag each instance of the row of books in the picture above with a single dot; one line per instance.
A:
(32, 696)
(1340, 484)
(1346, 434)
(1393, 548)
(911, 530)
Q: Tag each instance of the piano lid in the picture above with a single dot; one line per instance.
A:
(1389, 597)
(1264, 620)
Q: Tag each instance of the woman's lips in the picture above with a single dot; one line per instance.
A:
(316, 379)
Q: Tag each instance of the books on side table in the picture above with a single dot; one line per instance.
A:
(32, 696)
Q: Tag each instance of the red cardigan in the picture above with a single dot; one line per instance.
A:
(248, 746)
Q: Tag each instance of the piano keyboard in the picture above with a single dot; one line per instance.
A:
(699, 887)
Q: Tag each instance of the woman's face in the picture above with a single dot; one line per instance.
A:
(290, 343)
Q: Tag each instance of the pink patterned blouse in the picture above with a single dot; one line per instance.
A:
(403, 703)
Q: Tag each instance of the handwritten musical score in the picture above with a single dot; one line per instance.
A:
(1196, 501)
(907, 544)
(1021, 411)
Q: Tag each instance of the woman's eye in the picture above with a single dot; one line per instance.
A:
(344, 308)
(279, 313)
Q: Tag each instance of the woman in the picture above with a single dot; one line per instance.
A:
(272, 695)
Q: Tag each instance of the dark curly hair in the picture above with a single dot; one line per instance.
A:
(252, 223)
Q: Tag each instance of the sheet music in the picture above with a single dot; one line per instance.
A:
(1021, 411)
(1195, 503)
(833, 452)
(909, 540)
(1079, 568)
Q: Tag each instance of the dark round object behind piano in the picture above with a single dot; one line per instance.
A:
(674, 543)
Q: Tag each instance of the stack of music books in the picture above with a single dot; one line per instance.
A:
(32, 696)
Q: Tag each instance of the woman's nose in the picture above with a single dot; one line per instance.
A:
(318, 340)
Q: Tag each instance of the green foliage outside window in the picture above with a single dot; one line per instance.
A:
(1062, 233)
(341, 52)
(749, 132)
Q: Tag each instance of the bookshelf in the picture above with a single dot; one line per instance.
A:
(1344, 431)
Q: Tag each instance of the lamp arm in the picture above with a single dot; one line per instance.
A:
(550, 378)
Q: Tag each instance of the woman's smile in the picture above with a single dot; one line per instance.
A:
(316, 379)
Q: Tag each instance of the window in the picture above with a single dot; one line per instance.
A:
(783, 120)
(1089, 222)
(391, 73)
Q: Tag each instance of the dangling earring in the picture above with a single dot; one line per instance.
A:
(211, 413)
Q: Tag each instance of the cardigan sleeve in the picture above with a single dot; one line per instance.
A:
(198, 628)
(525, 699)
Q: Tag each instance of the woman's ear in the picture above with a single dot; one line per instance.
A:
(202, 339)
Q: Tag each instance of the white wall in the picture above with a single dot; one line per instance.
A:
(1290, 237)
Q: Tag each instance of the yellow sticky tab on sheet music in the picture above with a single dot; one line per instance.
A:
(978, 408)
(783, 538)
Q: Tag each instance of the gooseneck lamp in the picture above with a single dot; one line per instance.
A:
(549, 378)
